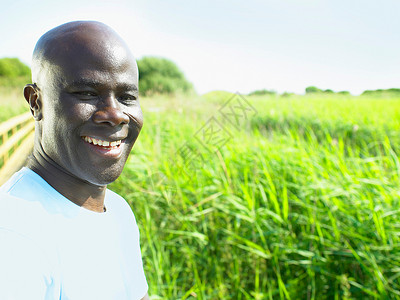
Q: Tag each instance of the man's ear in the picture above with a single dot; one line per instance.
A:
(31, 94)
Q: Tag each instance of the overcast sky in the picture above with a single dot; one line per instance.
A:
(283, 45)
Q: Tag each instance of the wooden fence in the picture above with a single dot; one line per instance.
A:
(16, 142)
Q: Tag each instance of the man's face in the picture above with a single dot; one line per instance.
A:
(89, 97)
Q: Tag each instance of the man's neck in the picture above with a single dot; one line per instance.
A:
(78, 191)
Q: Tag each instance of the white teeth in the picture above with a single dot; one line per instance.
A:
(101, 142)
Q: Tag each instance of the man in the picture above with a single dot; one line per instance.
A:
(63, 234)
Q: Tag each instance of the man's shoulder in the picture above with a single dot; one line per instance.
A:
(22, 204)
(116, 200)
(23, 217)
(23, 224)
(15, 209)
(119, 204)
(24, 184)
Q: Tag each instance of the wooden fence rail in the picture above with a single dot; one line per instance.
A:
(16, 142)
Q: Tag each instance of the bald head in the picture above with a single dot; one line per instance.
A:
(86, 89)
(79, 40)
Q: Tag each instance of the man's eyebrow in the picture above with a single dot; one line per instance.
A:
(85, 82)
(82, 82)
(128, 87)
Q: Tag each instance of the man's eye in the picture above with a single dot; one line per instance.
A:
(127, 98)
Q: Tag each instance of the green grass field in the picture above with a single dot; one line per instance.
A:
(302, 202)
(299, 200)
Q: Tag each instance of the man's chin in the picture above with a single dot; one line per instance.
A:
(103, 178)
(102, 181)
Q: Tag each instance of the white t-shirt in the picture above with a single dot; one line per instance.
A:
(51, 248)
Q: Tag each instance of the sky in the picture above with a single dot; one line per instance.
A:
(237, 46)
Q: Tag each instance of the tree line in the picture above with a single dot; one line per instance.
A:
(156, 76)
(312, 90)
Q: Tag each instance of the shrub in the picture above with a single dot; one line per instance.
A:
(13, 68)
(382, 92)
(161, 76)
(262, 93)
(315, 90)
(312, 89)
(13, 73)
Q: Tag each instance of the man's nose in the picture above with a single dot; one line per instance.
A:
(110, 112)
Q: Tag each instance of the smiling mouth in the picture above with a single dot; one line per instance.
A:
(102, 143)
